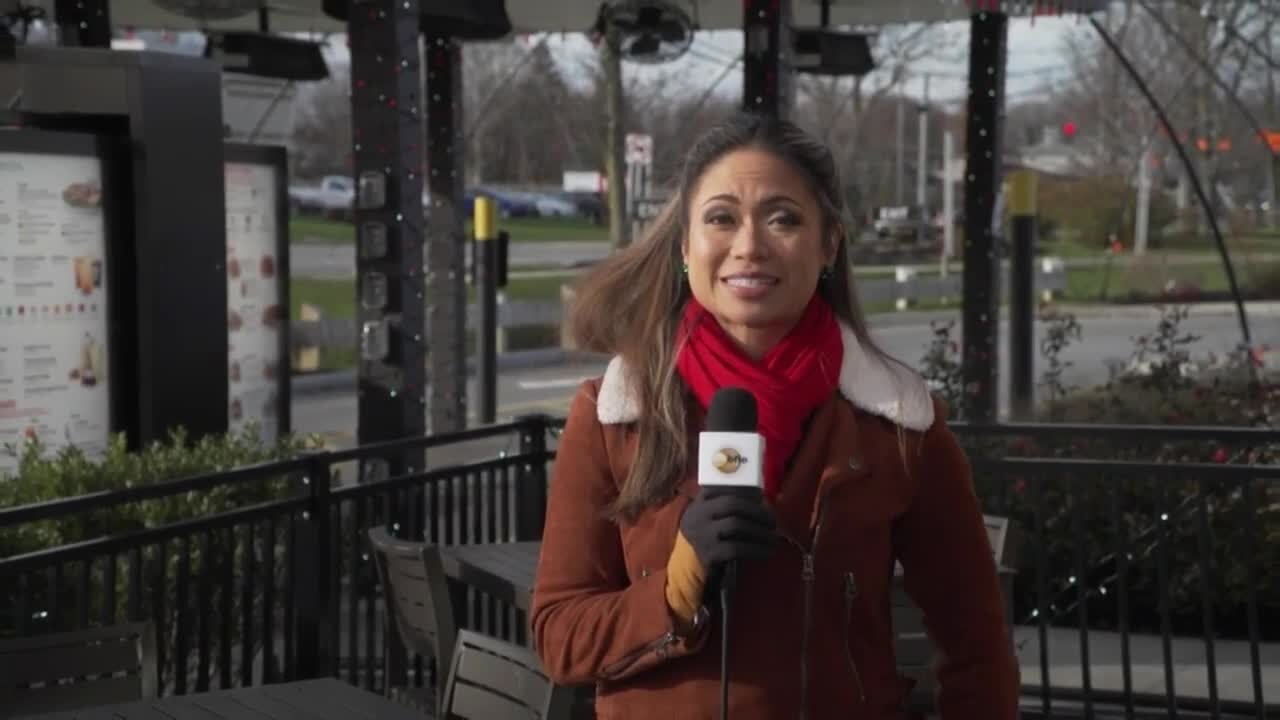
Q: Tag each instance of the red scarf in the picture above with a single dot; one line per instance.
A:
(789, 382)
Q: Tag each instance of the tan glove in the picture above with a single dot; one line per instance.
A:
(686, 580)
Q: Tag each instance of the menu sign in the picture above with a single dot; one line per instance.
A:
(254, 315)
(54, 379)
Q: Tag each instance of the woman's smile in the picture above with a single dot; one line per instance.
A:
(750, 285)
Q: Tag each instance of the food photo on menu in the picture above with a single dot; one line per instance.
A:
(83, 195)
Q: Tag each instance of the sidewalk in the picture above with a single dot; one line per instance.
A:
(1146, 661)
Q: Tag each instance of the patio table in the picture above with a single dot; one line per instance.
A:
(502, 570)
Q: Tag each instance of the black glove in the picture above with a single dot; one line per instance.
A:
(723, 525)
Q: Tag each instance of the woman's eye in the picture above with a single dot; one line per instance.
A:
(785, 218)
(719, 218)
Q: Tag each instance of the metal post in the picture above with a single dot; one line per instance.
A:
(1022, 209)
(988, 34)
(766, 74)
(386, 126)
(531, 490)
(446, 279)
(313, 574)
(83, 23)
(486, 232)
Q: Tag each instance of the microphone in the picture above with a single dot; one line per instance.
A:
(730, 456)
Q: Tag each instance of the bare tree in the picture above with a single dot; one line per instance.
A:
(1175, 56)
(857, 116)
(322, 127)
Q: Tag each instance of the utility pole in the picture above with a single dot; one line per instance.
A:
(922, 164)
(1273, 171)
(1143, 214)
(900, 192)
(948, 202)
(614, 162)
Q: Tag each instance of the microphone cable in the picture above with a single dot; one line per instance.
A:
(726, 587)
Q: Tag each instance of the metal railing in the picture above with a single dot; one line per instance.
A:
(1133, 570)
(280, 589)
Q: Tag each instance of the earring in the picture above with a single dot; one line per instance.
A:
(684, 268)
(825, 274)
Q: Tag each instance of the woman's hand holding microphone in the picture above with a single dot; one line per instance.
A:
(720, 526)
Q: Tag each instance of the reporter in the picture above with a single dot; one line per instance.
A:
(744, 280)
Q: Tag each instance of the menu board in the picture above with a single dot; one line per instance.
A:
(254, 315)
(54, 378)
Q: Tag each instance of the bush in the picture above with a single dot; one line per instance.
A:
(1093, 209)
(47, 604)
(1087, 515)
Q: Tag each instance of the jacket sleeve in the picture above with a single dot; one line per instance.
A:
(589, 621)
(949, 572)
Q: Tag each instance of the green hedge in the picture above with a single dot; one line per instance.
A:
(1088, 515)
(44, 476)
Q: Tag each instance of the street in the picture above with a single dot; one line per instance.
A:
(1106, 339)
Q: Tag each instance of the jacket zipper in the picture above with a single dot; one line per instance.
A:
(808, 575)
(851, 594)
(659, 646)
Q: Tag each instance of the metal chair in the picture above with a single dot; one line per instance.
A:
(494, 680)
(418, 615)
(73, 670)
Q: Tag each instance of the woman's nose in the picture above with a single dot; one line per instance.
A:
(748, 242)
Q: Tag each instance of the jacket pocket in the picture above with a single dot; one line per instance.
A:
(850, 595)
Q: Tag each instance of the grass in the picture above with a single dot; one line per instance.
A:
(1150, 276)
(309, 229)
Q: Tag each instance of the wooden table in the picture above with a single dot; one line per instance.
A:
(323, 699)
(502, 570)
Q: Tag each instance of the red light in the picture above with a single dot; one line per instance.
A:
(1069, 129)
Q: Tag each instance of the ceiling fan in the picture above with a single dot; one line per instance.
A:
(652, 31)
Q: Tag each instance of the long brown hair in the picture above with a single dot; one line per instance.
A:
(630, 304)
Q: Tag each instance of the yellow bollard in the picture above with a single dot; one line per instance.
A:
(485, 218)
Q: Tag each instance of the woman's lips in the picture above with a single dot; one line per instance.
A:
(750, 286)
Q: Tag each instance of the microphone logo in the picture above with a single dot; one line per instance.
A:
(727, 460)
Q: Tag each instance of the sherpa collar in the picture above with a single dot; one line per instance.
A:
(867, 380)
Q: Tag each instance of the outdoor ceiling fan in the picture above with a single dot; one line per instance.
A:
(652, 31)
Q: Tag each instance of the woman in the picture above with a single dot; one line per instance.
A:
(743, 281)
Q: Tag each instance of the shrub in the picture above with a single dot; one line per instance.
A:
(1094, 208)
(47, 604)
(1086, 515)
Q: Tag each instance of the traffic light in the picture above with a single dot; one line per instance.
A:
(1069, 130)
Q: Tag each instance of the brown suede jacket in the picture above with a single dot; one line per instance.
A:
(811, 627)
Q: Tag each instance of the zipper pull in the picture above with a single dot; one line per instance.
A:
(807, 573)
(850, 586)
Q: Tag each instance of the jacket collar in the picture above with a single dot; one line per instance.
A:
(872, 383)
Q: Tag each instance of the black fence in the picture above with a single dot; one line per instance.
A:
(1148, 559)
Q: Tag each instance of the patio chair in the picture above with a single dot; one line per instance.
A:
(913, 649)
(418, 615)
(494, 680)
(68, 671)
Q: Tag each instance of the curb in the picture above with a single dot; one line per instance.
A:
(1257, 309)
(320, 383)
